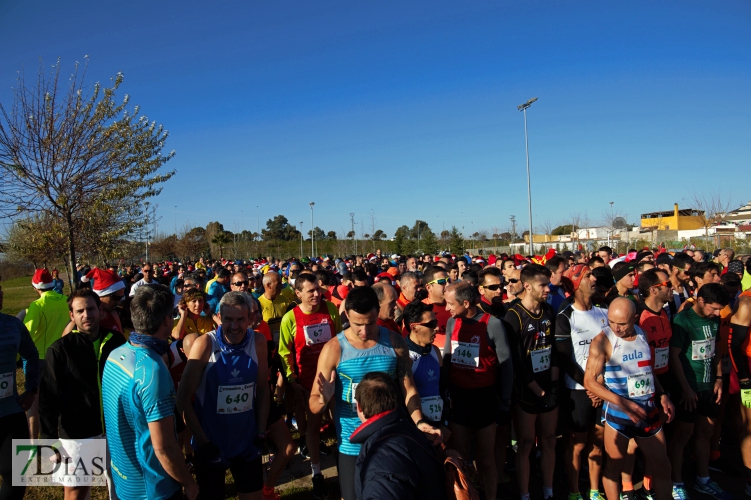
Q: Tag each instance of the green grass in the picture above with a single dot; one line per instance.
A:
(17, 294)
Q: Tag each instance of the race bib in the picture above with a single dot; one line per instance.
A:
(465, 353)
(316, 334)
(235, 398)
(702, 349)
(540, 359)
(661, 357)
(725, 364)
(6, 385)
(432, 408)
(353, 392)
(746, 397)
(641, 384)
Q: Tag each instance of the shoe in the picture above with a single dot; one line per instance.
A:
(628, 495)
(712, 489)
(304, 450)
(596, 496)
(575, 496)
(270, 495)
(645, 494)
(319, 487)
(680, 493)
(725, 467)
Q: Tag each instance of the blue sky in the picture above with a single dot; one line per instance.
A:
(408, 109)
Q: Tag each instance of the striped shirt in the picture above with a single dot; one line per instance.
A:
(353, 365)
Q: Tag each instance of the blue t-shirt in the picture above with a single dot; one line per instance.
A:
(137, 389)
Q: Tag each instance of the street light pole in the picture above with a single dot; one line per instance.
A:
(523, 109)
(312, 231)
(301, 254)
(610, 225)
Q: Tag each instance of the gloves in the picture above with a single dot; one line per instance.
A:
(208, 453)
(550, 399)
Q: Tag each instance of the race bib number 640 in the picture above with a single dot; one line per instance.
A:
(235, 398)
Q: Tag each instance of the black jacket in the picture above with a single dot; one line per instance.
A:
(69, 398)
(396, 460)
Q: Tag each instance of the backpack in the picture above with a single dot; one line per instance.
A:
(458, 486)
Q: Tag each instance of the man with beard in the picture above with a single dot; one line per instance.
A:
(576, 325)
(531, 333)
(491, 292)
(69, 393)
(436, 279)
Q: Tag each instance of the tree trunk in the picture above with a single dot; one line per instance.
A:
(72, 276)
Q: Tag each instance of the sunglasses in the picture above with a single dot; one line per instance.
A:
(147, 271)
(240, 283)
(430, 324)
(513, 280)
(664, 283)
(441, 281)
(492, 287)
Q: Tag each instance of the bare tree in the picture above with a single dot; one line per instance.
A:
(78, 157)
(710, 210)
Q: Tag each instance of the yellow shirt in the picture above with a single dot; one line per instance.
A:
(202, 325)
(273, 312)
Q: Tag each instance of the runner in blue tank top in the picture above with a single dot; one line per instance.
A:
(622, 354)
(362, 348)
(422, 326)
(227, 372)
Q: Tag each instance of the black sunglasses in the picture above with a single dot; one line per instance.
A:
(492, 287)
(430, 324)
(240, 283)
(513, 280)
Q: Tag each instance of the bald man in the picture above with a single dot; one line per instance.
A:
(387, 297)
(274, 305)
(631, 394)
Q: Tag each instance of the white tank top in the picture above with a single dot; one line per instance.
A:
(628, 373)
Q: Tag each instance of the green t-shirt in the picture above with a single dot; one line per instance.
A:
(696, 337)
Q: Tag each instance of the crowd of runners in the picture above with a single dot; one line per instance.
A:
(603, 368)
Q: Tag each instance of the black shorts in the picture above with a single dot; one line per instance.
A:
(247, 474)
(705, 405)
(580, 415)
(503, 418)
(474, 408)
(346, 466)
(531, 403)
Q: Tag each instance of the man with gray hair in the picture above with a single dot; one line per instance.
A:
(138, 397)
(224, 398)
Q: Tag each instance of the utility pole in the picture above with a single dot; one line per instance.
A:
(301, 254)
(523, 108)
(513, 228)
(352, 221)
(312, 232)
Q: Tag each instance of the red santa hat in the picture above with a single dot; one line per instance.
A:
(42, 280)
(106, 282)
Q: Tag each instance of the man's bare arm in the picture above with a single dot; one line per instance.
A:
(196, 364)
(262, 386)
(169, 454)
(404, 377)
(327, 363)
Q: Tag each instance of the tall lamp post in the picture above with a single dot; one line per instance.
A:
(523, 109)
(301, 233)
(312, 231)
(611, 230)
